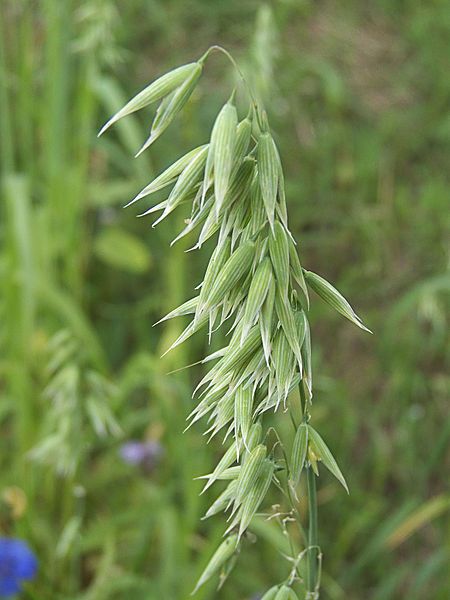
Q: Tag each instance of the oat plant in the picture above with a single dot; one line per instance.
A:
(255, 290)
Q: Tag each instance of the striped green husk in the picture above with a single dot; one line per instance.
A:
(286, 593)
(215, 355)
(230, 456)
(271, 593)
(301, 323)
(222, 415)
(211, 396)
(298, 454)
(186, 308)
(240, 221)
(270, 400)
(243, 137)
(189, 176)
(281, 208)
(253, 439)
(155, 208)
(168, 176)
(333, 297)
(297, 273)
(152, 93)
(247, 373)
(234, 269)
(250, 472)
(279, 255)
(210, 227)
(240, 184)
(239, 354)
(189, 197)
(258, 212)
(283, 361)
(259, 287)
(307, 362)
(201, 410)
(230, 473)
(172, 106)
(243, 412)
(186, 181)
(223, 142)
(223, 553)
(223, 501)
(255, 495)
(322, 452)
(266, 320)
(268, 173)
(289, 325)
(192, 328)
(218, 259)
(197, 218)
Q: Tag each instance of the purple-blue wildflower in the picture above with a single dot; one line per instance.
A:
(17, 564)
(144, 454)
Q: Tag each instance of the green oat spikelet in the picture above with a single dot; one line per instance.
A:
(255, 496)
(288, 323)
(185, 183)
(223, 501)
(250, 472)
(223, 143)
(322, 452)
(334, 298)
(279, 255)
(286, 593)
(257, 293)
(297, 273)
(233, 270)
(161, 87)
(243, 402)
(223, 553)
(168, 176)
(230, 456)
(243, 137)
(171, 106)
(268, 174)
(298, 454)
(271, 593)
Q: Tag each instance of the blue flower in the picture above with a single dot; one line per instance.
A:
(17, 564)
(144, 454)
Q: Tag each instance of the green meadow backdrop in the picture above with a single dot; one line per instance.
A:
(358, 95)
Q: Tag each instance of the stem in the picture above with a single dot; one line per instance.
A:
(238, 70)
(287, 492)
(313, 548)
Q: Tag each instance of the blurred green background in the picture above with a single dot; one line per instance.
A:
(358, 94)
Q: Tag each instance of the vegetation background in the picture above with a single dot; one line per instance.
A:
(358, 94)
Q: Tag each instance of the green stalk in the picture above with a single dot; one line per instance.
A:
(313, 549)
